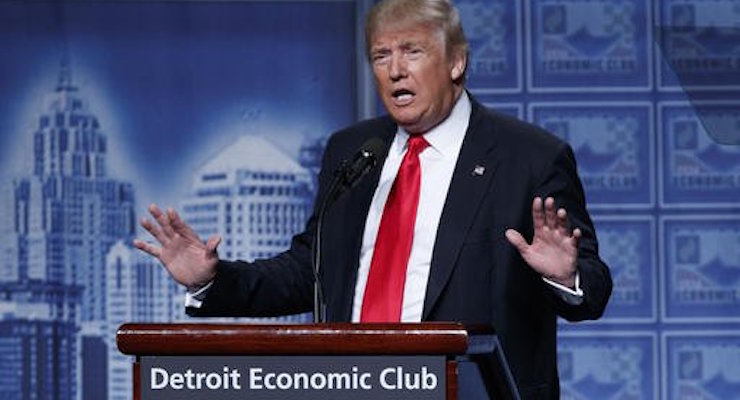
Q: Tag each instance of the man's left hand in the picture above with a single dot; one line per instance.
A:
(554, 249)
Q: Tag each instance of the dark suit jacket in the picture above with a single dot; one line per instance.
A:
(476, 276)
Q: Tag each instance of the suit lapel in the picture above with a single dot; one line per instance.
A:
(475, 168)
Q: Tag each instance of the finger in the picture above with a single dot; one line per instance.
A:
(154, 210)
(212, 244)
(162, 219)
(538, 215)
(550, 218)
(180, 226)
(517, 240)
(153, 230)
(577, 234)
(562, 222)
(147, 248)
(575, 238)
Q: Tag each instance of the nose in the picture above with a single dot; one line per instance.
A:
(397, 69)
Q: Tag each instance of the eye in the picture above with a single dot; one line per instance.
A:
(379, 58)
(414, 52)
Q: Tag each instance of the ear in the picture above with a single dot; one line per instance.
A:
(459, 62)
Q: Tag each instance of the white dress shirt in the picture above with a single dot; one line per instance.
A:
(437, 165)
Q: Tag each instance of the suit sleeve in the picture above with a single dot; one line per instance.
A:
(281, 285)
(560, 180)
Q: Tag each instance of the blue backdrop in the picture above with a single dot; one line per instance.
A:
(106, 107)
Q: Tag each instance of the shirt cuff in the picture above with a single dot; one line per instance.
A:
(571, 296)
(195, 299)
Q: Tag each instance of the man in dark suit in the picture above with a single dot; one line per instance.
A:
(458, 200)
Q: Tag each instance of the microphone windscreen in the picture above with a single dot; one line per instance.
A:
(365, 159)
(376, 147)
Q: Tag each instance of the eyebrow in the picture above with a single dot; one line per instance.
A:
(409, 43)
(405, 44)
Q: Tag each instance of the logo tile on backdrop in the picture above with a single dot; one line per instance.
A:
(493, 30)
(702, 366)
(626, 244)
(612, 144)
(700, 154)
(589, 45)
(699, 44)
(607, 366)
(702, 268)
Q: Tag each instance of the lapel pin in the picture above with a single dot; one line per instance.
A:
(479, 170)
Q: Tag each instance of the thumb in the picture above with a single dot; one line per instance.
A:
(212, 243)
(517, 240)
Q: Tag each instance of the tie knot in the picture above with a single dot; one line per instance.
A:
(417, 144)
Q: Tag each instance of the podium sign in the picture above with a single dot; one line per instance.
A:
(330, 361)
(296, 377)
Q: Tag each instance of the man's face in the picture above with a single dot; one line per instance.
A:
(414, 76)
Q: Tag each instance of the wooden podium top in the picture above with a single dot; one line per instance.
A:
(305, 339)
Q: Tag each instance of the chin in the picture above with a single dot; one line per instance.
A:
(405, 120)
(407, 125)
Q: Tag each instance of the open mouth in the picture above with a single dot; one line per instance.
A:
(402, 96)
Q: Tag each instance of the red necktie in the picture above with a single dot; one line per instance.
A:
(384, 291)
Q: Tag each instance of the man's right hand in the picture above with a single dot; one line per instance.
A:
(189, 261)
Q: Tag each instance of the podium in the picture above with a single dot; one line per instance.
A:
(326, 361)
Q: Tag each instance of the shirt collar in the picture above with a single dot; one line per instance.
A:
(445, 138)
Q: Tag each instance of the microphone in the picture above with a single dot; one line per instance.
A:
(364, 160)
(345, 177)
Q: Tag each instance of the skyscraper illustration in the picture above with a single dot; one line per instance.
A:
(253, 195)
(37, 353)
(138, 290)
(60, 222)
(70, 212)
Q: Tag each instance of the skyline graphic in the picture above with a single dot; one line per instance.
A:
(164, 128)
(92, 135)
(67, 228)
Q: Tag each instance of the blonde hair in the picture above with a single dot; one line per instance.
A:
(437, 14)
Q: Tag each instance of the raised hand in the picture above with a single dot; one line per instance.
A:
(554, 249)
(189, 261)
